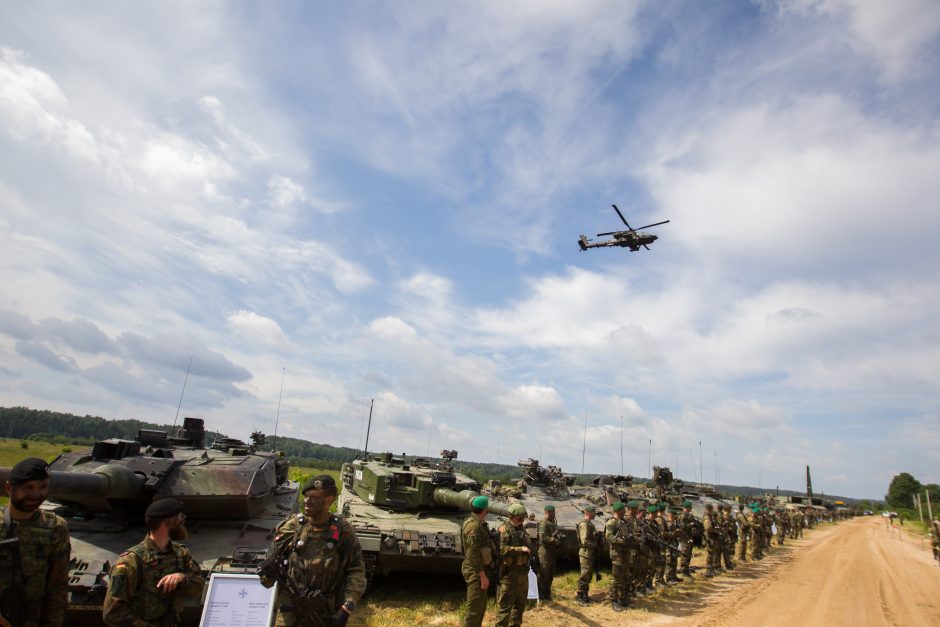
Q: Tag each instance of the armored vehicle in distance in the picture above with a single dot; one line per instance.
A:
(408, 516)
(234, 496)
(541, 486)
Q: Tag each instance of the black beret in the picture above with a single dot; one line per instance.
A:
(30, 469)
(164, 508)
(320, 482)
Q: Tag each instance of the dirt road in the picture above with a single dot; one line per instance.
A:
(854, 573)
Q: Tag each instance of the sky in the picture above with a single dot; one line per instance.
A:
(320, 204)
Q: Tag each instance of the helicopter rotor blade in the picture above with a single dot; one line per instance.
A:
(621, 217)
(655, 224)
(611, 233)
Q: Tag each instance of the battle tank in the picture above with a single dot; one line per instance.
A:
(542, 486)
(233, 494)
(408, 516)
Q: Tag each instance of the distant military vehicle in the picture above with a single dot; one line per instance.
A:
(541, 486)
(408, 516)
(233, 494)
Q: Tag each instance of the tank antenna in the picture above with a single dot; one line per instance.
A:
(365, 448)
(277, 416)
(180, 404)
(584, 446)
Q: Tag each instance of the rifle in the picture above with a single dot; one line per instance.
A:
(11, 599)
(534, 563)
(651, 537)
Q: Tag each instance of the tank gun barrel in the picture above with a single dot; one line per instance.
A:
(462, 499)
(108, 481)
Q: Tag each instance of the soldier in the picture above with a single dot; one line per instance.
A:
(514, 551)
(641, 563)
(712, 540)
(731, 537)
(616, 533)
(687, 524)
(477, 557)
(550, 542)
(316, 560)
(781, 521)
(672, 537)
(744, 531)
(34, 570)
(588, 546)
(757, 533)
(653, 532)
(935, 537)
(659, 574)
(796, 524)
(150, 581)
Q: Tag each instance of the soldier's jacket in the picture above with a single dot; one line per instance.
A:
(729, 527)
(327, 558)
(132, 590)
(477, 544)
(617, 534)
(587, 538)
(686, 524)
(711, 527)
(512, 544)
(743, 523)
(548, 530)
(41, 580)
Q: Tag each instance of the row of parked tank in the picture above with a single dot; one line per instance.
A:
(407, 513)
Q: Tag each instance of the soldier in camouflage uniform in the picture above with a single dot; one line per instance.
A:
(616, 533)
(935, 537)
(673, 536)
(478, 556)
(757, 533)
(744, 531)
(730, 529)
(782, 523)
(796, 524)
(514, 551)
(659, 572)
(316, 560)
(550, 542)
(687, 524)
(150, 581)
(34, 572)
(712, 540)
(588, 546)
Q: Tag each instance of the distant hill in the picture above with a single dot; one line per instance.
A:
(50, 426)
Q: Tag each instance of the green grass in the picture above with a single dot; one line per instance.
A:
(12, 451)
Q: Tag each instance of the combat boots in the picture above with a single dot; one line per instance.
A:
(583, 599)
(615, 606)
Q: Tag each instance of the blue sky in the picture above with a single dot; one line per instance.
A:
(382, 200)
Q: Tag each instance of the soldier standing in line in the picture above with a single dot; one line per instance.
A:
(712, 539)
(744, 531)
(588, 546)
(687, 524)
(796, 524)
(34, 572)
(550, 542)
(150, 581)
(477, 557)
(768, 527)
(757, 533)
(653, 532)
(782, 523)
(317, 562)
(632, 533)
(673, 537)
(641, 564)
(660, 519)
(616, 533)
(514, 551)
(720, 526)
(935, 537)
(731, 537)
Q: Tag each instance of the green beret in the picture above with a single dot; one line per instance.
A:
(663, 506)
(652, 508)
(687, 504)
(549, 508)
(30, 469)
(320, 482)
(479, 502)
(618, 506)
(517, 509)
(590, 508)
(164, 508)
(633, 504)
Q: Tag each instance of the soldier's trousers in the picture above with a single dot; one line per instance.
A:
(587, 571)
(686, 559)
(660, 560)
(757, 546)
(476, 599)
(742, 548)
(780, 536)
(546, 572)
(619, 575)
(727, 553)
(672, 565)
(511, 597)
(640, 565)
(711, 555)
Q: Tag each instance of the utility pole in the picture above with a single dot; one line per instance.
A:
(929, 508)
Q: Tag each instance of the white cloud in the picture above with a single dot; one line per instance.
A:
(252, 325)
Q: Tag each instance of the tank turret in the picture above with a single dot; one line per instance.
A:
(233, 497)
(408, 515)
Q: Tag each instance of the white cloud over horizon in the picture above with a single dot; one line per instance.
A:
(384, 204)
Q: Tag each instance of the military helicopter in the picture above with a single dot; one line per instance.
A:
(631, 238)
